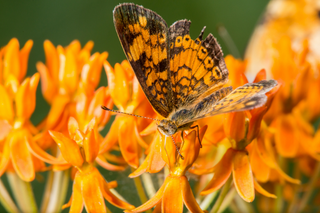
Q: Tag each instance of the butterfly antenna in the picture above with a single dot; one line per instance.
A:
(111, 110)
(177, 148)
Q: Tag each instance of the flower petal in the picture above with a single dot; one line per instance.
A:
(52, 60)
(6, 108)
(127, 142)
(5, 129)
(5, 156)
(24, 56)
(91, 146)
(11, 59)
(153, 162)
(57, 109)
(172, 196)
(221, 173)
(188, 197)
(260, 170)
(286, 138)
(111, 198)
(21, 157)
(112, 137)
(91, 191)
(242, 176)
(69, 149)
(108, 166)
(76, 199)
(262, 190)
(48, 87)
(152, 201)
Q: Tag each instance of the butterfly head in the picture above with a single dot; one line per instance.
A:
(167, 127)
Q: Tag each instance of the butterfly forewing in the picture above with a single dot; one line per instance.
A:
(143, 35)
(195, 65)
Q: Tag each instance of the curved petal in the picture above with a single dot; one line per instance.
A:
(111, 198)
(68, 74)
(92, 192)
(172, 201)
(11, 59)
(286, 138)
(262, 190)
(6, 107)
(24, 56)
(57, 108)
(48, 87)
(76, 199)
(221, 173)
(242, 176)
(5, 129)
(260, 170)
(108, 166)
(91, 146)
(41, 154)
(266, 153)
(69, 149)
(188, 198)
(235, 126)
(154, 200)
(52, 60)
(127, 142)
(112, 137)
(5, 156)
(141, 142)
(21, 157)
(261, 75)
(151, 128)
(153, 163)
(72, 127)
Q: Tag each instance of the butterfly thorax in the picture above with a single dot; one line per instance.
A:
(169, 127)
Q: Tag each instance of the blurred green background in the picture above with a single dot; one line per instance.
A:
(63, 21)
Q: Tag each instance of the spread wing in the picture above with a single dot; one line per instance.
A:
(143, 35)
(196, 66)
(246, 97)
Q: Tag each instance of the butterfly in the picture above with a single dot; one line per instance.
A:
(182, 78)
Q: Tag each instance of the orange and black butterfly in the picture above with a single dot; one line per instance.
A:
(182, 78)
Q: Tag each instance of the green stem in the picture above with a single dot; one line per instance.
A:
(279, 201)
(58, 191)
(310, 188)
(243, 206)
(148, 184)
(208, 200)
(23, 193)
(6, 200)
(228, 199)
(140, 189)
(222, 195)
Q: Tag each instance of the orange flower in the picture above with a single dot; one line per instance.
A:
(128, 97)
(16, 129)
(68, 74)
(14, 64)
(176, 190)
(241, 128)
(81, 150)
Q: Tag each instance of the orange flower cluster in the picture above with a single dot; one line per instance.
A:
(241, 152)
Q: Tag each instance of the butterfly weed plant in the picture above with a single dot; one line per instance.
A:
(190, 140)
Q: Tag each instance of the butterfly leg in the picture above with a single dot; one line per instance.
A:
(197, 126)
(177, 148)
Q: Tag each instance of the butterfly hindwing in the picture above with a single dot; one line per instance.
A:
(246, 97)
(143, 35)
(195, 65)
